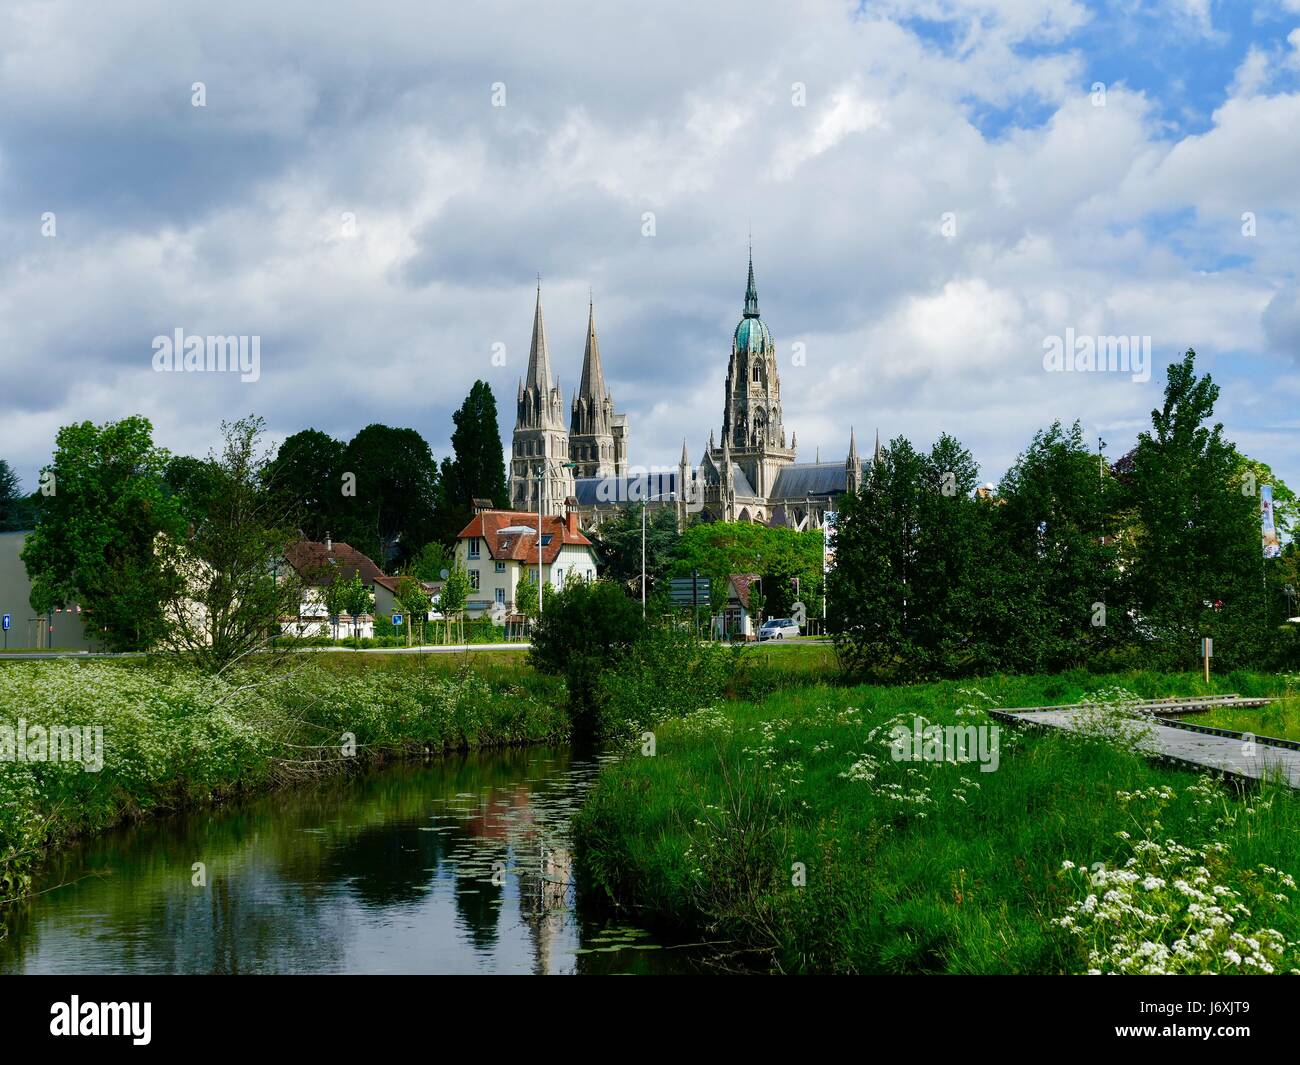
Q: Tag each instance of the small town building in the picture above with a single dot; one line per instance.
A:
(318, 564)
(498, 549)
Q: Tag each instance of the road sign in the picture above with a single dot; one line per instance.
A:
(683, 591)
(7, 619)
(1207, 646)
(397, 619)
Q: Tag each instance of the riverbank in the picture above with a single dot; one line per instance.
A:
(786, 828)
(143, 737)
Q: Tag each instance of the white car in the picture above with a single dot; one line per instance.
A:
(778, 629)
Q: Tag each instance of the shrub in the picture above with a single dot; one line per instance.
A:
(586, 629)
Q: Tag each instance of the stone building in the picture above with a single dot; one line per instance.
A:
(751, 474)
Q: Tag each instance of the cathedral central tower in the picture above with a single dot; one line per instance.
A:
(752, 430)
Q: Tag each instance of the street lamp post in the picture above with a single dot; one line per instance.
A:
(542, 469)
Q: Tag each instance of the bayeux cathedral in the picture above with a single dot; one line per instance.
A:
(751, 475)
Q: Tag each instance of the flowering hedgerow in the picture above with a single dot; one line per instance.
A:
(173, 737)
(1177, 908)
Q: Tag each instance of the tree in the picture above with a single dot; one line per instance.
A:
(454, 596)
(1193, 562)
(414, 600)
(717, 550)
(433, 561)
(391, 516)
(335, 595)
(477, 468)
(617, 541)
(875, 544)
(96, 542)
(357, 599)
(526, 598)
(17, 511)
(228, 585)
(307, 477)
(587, 627)
(1061, 603)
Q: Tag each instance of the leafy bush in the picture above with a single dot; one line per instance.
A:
(665, 674)
(586, 629)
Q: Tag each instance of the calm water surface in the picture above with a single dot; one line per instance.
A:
(462, 865)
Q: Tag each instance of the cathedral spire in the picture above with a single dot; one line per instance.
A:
(751, 293)
(852, 460)
(877, 457)
(539, 356)
(592, 387)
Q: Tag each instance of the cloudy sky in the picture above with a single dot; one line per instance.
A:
(351, 193)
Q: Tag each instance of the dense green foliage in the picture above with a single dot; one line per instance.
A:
(935, 866)
(228, 591)
(617, 541)
(173, 737)
(307, 476)
(586, 628)
(475, 469)
(382, 491)
(783, 558)
(1068, 564)
(17, 511)
(95, 544)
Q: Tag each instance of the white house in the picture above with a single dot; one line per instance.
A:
(317, 565)
(498, 548)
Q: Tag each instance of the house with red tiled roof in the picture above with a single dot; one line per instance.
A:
(318, 564)
(499, 548)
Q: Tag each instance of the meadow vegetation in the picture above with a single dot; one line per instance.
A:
(785, 831)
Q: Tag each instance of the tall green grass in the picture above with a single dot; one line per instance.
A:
(173, 737)
(924, 867)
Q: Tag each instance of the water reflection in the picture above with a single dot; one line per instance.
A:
(461, 865)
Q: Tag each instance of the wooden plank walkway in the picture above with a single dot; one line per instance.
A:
(1195, 704)
(1217, 750)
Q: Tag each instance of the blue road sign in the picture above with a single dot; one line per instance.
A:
(397, 619)
(7, 619)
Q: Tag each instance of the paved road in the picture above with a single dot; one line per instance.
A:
(1223, 754)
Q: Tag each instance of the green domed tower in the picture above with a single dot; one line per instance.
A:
(751, 421)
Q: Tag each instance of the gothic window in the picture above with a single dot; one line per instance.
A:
(756, 376)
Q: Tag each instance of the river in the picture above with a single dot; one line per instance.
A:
(458, 865)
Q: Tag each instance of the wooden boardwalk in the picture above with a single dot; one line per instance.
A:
(1217, 750)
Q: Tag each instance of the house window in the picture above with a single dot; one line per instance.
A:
(474, 548)
(473, 580)
(500, 567)
(559, 575)
(501, 596)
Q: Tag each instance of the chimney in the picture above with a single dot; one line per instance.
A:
(571, 515)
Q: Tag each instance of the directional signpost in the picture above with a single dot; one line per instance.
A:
(8, 619)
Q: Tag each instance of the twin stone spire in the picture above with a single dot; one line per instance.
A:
(595, 440)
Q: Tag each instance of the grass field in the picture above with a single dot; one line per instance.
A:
(785, 828)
